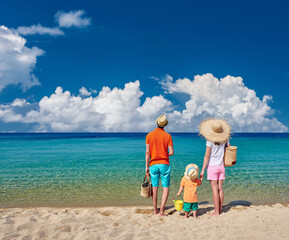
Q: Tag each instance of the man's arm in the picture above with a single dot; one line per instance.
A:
(147, 157)
(171, 150)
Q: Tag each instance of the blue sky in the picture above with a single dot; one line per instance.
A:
(150, 41)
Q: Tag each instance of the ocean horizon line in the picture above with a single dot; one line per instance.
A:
(8, 132)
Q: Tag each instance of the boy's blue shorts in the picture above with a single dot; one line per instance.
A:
(162, 171)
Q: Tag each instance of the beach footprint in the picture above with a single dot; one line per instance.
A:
(26, 226)
(144, 211)
(107, 213)
(65, 228)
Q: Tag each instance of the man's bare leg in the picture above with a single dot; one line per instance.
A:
(164, 200)
(155, 200)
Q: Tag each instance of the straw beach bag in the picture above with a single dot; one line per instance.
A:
(230, 156)
(146, 187)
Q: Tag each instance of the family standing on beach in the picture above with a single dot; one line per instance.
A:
(159, 146)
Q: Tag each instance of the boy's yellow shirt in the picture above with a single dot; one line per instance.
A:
(190, 189)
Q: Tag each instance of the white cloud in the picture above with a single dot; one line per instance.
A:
(39, 29)
(84, 92)
(72, 19)
(19, 102)
(16, 60)
(120, 110)
(112, 110)
(151, 109)
(227, 98)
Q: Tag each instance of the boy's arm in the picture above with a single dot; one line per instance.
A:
(200, 181)
(180, 190)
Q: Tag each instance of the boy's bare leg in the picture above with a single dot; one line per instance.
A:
(164, 201)
(186, 214)
(221, 195)
(216, 197)
(155, 200)
(195, 214)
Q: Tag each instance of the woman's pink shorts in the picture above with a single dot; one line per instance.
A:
(216, 172)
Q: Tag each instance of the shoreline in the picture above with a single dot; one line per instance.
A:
(169, 204)
(138, 222)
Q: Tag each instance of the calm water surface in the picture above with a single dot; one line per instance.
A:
(81, 169)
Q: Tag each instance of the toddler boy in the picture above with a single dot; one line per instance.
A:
(190, 182)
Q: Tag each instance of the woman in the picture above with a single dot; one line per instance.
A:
(217, 133)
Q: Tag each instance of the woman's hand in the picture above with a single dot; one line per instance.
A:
(202, 175)
(178, 194)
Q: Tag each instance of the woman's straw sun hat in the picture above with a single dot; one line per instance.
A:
(162, 121)
(192, 172)
(215, 130)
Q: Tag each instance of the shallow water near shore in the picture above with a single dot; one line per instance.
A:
(106, 169)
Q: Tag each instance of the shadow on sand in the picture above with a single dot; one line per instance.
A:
(232, 204)
(205, 210)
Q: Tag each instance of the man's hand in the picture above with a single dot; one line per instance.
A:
(178, 194)
(147, 158)
(147, 170)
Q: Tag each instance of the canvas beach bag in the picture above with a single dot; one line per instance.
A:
(230, 156)
(146, 187)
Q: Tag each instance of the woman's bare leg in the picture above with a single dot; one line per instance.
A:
(221, 195)
(216, 197)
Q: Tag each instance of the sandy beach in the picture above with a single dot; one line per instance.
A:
(237, 222)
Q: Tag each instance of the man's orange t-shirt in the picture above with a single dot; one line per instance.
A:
(190, 193)
(159, 141)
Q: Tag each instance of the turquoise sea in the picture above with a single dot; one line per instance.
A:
(104, 169)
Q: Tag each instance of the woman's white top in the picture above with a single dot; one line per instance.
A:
(217, 153)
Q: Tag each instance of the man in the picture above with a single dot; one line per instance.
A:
(159, 146)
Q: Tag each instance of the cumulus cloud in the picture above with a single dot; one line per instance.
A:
(120, 110)
(72, 19)
(117, 110)
(84, 92)
(17, 61)
(14, 112)
(39, 29)
(227, 98)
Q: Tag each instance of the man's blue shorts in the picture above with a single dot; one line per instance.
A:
(160, 170)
